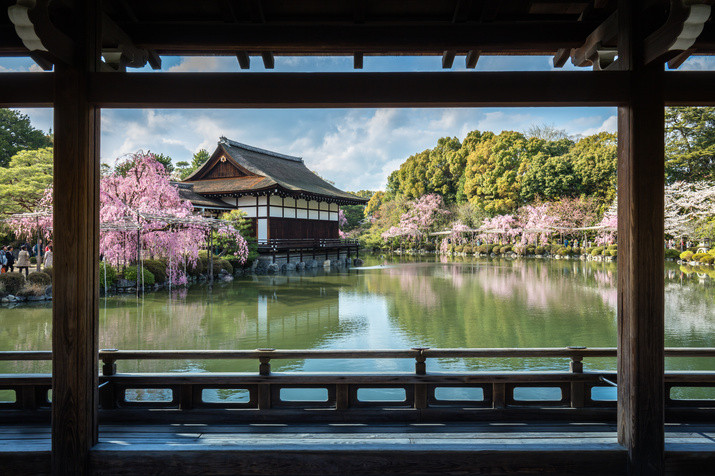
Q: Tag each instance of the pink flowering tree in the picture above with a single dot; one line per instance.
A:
(342, 221)
(688, 208)
(537, 224)
(503, 226)
(609, 225)
(141, 210)
(421, 216)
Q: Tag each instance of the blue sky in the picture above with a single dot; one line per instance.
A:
(355, 148)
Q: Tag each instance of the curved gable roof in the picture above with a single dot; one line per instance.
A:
(284, 171)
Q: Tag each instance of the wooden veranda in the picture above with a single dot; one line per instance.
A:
(89, 44)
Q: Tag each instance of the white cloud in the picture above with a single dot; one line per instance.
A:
(699, 63)
(609, 125)
(203, 64)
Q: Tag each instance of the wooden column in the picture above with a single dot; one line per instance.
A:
(640, 251)
(76, 243)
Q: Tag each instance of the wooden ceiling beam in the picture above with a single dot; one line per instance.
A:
(269, 61)
(244, 61)
(679, 32)
(448, 59)
(439, 89)
(436, 89)
(471, 59)
(346, 39)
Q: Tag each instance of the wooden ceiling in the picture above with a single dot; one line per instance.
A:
(268, 28)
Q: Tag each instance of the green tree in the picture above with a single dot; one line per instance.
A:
(16, 134)
(492, 177)
(197, 161)
(690, 144)
(548, 178)
(24, 181)
(164, 160)
(595, 162)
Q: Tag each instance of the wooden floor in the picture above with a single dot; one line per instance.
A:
(450, 448)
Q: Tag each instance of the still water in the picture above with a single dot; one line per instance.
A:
(390, 303)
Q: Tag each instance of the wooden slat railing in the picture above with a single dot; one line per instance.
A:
(484, 394)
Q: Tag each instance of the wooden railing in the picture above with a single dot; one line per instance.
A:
(273, 245)
(261, 395)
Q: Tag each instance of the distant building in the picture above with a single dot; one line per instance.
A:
(283, 199)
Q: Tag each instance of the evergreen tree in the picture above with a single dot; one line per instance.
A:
(690, 144)
(16, 134)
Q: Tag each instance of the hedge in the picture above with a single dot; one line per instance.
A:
(459, 248)
(698, 257)
(39, 278)
(672, 254)
(130, 273)
(686, 255)
(539, 250)
(506, 249)
(597, 251)
(468, 249)
(111, 274)
(13, 282)
(157, 268)
(707, 259)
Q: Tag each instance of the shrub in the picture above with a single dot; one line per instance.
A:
(563, 251)
(597, 251)
(32, 290)
(539, 250)
(612, 247)
(530, 250)
(459, 248)
(157, 268)
(39, 278)
(13, 282)
(130, 273)
(483, 249)
(33, 260)
(496, 250)
(613, 253)
(686, 255)
(198, 268)
(2, 289)
(712, 252)
(48, 271)
(698, 257)
(707, 259)
(223, 264)
(111, 273)
(576, 250)
(672, 254)
(506, 249)
(468, 249)
(429, 246)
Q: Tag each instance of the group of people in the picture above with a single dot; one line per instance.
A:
(9, 261)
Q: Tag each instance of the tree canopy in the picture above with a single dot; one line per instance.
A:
(17, 133)
(690, 144)
(24, 180)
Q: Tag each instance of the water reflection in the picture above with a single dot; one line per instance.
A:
(435, 303)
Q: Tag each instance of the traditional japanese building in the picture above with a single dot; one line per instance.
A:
(280, 195)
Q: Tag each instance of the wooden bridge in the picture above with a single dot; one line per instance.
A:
(308, 248)
(455, 415)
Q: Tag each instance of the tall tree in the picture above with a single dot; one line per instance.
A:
(595, 162)
(690, 144)
(17, 133)
(198, 159)
(24, 180)
(492, 178)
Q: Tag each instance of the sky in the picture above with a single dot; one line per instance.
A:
(355, 148)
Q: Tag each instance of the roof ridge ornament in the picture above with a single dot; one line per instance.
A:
(232, 143)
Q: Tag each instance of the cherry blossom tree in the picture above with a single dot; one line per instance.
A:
(499, 225)
(141, 210)
(609, 225)
(537, 223)
(688, 208)
(420, 217)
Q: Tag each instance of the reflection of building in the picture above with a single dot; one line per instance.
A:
(283, 199)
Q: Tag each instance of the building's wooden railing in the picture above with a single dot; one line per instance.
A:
(491, 395)
(273, 245)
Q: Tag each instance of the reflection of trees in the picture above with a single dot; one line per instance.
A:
(498, 303)
(26, 327)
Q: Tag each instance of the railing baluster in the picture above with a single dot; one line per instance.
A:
(420, 369)
(498, 395)
(107, 393)
(264, 389)
(578, 389)
(342, 396)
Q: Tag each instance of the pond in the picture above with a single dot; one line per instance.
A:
(388, 303)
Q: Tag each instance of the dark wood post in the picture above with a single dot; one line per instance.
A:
(75, 307)
(640, 250)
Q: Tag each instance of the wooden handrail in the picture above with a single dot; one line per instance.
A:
(566, 352)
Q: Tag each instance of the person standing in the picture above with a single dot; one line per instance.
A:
(10, 257)
(48, 257)
(3, 260)
(23, 260)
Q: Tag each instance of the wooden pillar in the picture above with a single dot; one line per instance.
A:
(75, 305)
(640, 250)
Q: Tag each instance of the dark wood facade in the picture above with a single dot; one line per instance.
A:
(645, 34)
